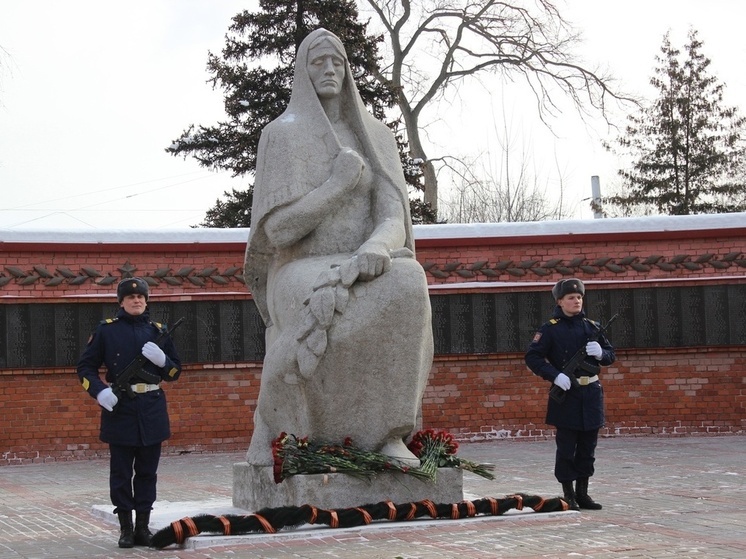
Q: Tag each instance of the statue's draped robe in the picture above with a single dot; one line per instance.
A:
(376, 345)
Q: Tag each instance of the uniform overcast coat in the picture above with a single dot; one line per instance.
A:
(552, 347)
(142, 420)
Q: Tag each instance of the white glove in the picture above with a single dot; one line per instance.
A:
(563, 381)
(594, 350)
(107, 399)
(154, 353)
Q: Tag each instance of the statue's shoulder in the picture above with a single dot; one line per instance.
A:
(276, 133)
(273, 128)
(380, 132)
(372, 123)
(288, 121)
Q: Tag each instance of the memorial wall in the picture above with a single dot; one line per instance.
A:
(678, 284)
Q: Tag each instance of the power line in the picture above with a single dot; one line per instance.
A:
(50, 215)
(119, 210)
(142, 193)
(81, 209)
(92, 192)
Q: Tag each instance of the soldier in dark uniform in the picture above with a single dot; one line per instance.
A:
(581, 414)
(133, 427)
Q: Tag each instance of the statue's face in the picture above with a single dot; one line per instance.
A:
(326, 68)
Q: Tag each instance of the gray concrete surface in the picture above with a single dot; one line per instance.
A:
(662, 497)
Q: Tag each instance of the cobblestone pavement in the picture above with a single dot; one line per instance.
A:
(663, 498)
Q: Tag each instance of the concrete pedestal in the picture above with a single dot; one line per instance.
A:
(254, 489)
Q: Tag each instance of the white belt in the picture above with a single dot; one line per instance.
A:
(141, 387)
(585, 381)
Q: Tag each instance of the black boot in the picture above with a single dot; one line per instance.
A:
(142, 532)
(126, 537)
(569, 495)
(581, 493)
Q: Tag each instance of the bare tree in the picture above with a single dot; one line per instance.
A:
(446, 41)
(508, 188)
(5, 60)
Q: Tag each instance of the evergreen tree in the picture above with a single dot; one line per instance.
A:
(687, 147)
(255, 70)
(235, 211)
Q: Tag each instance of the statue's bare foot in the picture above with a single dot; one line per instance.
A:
(260, 446)
(398, 450)
(257, 457)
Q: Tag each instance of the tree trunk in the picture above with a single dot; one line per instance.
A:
(417, 152)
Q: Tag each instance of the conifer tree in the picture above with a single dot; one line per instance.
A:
(255, 70)
(687, 147)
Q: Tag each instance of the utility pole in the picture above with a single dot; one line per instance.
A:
(596, 197)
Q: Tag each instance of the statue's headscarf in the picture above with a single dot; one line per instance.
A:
(296, 152)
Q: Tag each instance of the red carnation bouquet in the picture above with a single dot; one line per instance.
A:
(294, 456)
(437, 449)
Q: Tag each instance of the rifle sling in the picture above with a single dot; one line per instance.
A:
(588, 368)
(144, 376)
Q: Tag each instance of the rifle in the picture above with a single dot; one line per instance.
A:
(578, 362)
(123, 381)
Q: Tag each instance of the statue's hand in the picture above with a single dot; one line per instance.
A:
(373, 259)
(347, 169)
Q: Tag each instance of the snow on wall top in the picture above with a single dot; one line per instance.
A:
(445, 231)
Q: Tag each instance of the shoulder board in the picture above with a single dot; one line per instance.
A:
(554, 321)
(596, 324)
(161, 327)
(109, 320)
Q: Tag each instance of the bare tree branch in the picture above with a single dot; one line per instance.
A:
(512, 192)
(448, 41)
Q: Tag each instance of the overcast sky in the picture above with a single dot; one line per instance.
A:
(92, 92)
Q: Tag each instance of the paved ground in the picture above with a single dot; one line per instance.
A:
(662, 497)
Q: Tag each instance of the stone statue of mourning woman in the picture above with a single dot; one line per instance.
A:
(330, 264)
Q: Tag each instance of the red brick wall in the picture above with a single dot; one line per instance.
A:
(46, 416)
(652, 392)
(62, 270)
(604, 256)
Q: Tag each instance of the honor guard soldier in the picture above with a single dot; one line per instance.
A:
(569, 338)
(134, 417)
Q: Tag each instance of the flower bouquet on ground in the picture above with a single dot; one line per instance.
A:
(295, 456)
(437, 449)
